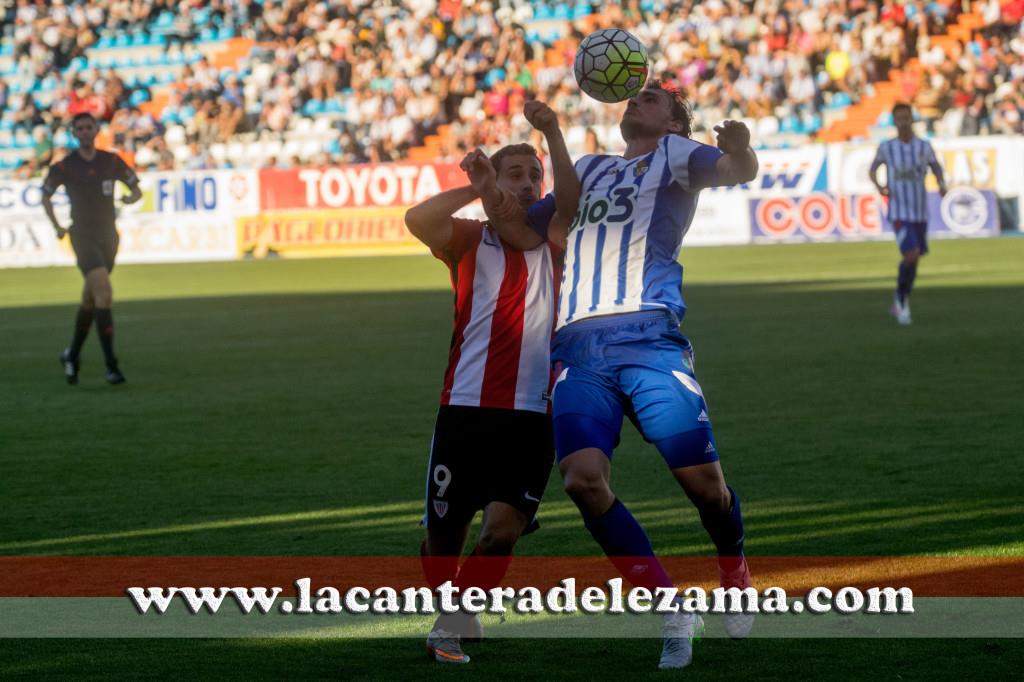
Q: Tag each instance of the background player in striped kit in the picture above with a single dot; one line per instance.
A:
(492, 447)
(907, 159)
(618, 350)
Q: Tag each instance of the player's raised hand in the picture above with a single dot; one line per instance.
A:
(733, 137)
(540, 116)
(481, 173)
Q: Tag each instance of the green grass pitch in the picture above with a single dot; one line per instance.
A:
(264, 397)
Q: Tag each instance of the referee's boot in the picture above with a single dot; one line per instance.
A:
(70, 365)
(114, 375)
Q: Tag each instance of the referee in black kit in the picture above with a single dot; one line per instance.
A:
(89, 176)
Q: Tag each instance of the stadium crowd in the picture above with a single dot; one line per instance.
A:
(388, 74)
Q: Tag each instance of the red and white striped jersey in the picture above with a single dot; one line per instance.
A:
(504, 317)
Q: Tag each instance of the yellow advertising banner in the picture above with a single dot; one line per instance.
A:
(302, 233)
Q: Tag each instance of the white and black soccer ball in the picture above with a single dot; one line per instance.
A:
(611, 65)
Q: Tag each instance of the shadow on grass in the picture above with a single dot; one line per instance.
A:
(897, 440)
(507, 659)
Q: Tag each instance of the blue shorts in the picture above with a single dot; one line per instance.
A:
(911, 236)
(637, 365)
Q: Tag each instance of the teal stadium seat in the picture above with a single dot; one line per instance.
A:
(841, 100)
(312, 108)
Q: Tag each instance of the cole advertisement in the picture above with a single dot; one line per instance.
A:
(341, 211)
(824, 216)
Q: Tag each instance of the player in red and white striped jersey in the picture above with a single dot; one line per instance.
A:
(493, 448)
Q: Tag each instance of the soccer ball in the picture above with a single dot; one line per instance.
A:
(611, 65)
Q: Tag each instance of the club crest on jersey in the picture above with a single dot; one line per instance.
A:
(641, 167)
(441, 507)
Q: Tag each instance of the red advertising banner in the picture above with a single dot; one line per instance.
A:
(357, 186)
(108, 576)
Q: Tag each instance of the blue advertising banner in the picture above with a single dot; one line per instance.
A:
(823, 216)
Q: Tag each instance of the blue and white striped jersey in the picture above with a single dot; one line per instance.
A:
(624, 241)
(906, 166)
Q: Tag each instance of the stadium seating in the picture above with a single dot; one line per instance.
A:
(191, 72)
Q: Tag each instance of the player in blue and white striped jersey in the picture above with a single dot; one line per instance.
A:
(618, 350)
(906, 159)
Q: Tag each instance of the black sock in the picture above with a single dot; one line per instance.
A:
(83, 320)
(905, 282)
(105, 329)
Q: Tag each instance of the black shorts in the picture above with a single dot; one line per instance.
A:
(94, 249)
(482, 455)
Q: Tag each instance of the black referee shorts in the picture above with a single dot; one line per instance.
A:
(94, 249)
(482, 455)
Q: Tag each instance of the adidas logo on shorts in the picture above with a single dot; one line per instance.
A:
(710, 448)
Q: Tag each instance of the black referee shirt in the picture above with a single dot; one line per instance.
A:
(90, 187)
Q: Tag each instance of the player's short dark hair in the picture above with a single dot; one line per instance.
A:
(512, 150)
(902, 106)
(680, 109)
(83, 116)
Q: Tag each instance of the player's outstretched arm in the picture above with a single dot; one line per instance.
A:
(567, 183)
(431, 221)
(738, 163)
(501, 207)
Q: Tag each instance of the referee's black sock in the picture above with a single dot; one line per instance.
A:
(105, 329)
(83, 320)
